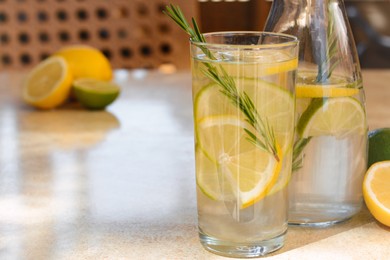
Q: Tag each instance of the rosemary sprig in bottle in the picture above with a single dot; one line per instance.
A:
(240, 99)
(325, 70)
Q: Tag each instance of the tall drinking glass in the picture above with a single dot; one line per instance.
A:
(243, 95)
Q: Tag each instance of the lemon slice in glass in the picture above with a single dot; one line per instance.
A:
(271, 101)
(249, 171)
(332, 116)
(48, 84)
(267, 63)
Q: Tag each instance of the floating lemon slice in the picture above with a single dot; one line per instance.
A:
(48, 84)
(376, 191)
(261, 69)
(319, 91)
(249, 171)
(271, 101)
(332, 116)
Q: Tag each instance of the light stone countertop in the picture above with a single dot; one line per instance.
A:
(120, 183)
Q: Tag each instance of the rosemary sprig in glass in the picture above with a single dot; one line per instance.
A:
(241, 99)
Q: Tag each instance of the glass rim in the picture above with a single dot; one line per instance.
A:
(293, 40)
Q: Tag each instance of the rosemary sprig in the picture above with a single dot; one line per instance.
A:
(326, 67)
(325, 70)
(228, 87)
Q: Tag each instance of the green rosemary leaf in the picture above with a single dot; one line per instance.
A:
(299, 145)
(228, 86)
(325, 70)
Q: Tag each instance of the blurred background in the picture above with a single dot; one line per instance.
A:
(135, 33)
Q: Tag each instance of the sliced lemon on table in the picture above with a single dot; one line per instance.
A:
(86, 62)
(48, 84)
(95, 94)
(332, 116)
(250, 172)
(376, 191)
(319, 91)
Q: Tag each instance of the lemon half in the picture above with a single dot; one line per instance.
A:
(48, 84)
(376, 191)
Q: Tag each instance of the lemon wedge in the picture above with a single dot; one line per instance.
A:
(48, 84)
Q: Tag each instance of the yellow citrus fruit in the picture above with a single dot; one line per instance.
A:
(376, 191)
(48, 84)
(86, 62)
(337, 116)
(320, 91)
(278, 62)
(230, 158)
(271, 101)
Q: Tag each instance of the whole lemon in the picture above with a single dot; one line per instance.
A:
(86, 62)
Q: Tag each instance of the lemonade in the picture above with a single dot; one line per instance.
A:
(244, 128)
(329, 168)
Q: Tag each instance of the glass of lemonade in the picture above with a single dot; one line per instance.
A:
(244, 107)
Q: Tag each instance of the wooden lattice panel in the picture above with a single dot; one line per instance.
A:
(131, 33)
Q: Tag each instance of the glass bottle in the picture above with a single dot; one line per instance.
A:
(330, 149)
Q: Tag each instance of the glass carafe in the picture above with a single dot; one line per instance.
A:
(330, 149)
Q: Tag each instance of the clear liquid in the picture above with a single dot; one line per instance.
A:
(223, 222)
(328, 187)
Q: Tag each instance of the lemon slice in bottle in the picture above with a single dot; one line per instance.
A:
(332, 116)
(319, 91)
(249, 171)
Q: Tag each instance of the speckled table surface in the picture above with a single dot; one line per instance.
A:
(119, 184)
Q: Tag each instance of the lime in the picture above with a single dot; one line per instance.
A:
(95, 94)
(250, 172)
(86, 62)
(332, 116)
(379, 145)
(48, 84)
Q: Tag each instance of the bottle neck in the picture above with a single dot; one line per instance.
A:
(285, 15)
